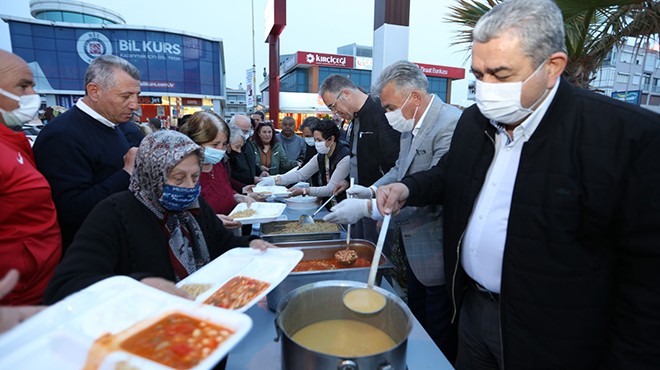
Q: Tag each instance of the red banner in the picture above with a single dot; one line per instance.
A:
(327, 60)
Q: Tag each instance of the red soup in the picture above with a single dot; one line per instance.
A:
(177, 341)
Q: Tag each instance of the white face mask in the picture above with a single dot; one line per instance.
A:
(398, 121)
(501, 102)
(321, 148)
(28, 106)
(309, 141)
(247, 135)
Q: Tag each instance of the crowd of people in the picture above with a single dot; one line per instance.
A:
(529, 223)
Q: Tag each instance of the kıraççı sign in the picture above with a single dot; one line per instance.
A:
(327, 60)
(168, 62)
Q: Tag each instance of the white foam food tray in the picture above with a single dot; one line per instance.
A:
(301, 202)
(266, 212)
(60, 336)
(275, 190)
(271, 266)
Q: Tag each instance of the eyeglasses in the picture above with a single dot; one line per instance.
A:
(333, 105)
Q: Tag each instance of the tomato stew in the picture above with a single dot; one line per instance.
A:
(237, 292)
(177, 341)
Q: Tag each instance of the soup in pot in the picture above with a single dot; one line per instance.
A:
(344, 338)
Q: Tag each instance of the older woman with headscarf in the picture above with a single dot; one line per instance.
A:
(158, 232)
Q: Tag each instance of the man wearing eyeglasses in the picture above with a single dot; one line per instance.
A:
(374, 143)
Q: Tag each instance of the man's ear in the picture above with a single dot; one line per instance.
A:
(93, 91)
(416, 98)
(557, 63)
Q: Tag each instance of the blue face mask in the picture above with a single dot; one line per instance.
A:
(177, 198)
(213, 155)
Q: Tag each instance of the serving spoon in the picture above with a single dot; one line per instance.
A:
(347, 256)
(368, 300)
(307, 219)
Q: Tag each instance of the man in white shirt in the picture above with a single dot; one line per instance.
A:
(551, 215)
(426, 124)
(83, 153)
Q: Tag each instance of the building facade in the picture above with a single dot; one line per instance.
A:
(180, 72)
(631, 74)
(73, 12)
(236, 103)
(302, 73)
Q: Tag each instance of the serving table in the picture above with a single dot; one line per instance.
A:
(259, 350)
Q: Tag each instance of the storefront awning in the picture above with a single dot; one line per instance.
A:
(302, 103)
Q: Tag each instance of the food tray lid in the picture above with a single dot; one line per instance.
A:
(271, 266)
(266, 212)
(60, 336)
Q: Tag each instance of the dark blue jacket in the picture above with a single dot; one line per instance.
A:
(82, 159)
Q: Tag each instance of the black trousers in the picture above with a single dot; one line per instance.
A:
(479, 339)
(432, 307)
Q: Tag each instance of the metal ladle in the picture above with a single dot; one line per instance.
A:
(307, 219)
(368, 300)
(347, 256)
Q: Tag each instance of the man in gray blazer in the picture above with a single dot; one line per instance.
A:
(426, 125)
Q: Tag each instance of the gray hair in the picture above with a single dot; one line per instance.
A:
(537, 23)
(336, 83)
(235, 132)
(406, 76)
(102, 70)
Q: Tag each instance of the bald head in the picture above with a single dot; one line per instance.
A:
(242, 122)
(15, 78)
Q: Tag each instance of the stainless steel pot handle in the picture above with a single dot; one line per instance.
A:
(347, 365)
(278, 330)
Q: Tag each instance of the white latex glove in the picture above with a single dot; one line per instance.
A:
(349, 211)
(267, 181)
(359, 191)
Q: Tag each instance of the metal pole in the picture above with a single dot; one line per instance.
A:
(254, 66)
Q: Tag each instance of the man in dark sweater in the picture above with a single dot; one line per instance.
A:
(83, 153)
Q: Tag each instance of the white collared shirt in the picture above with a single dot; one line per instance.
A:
(416, 129)
(85, 108)
(485, 236)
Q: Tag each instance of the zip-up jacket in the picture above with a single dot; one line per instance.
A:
(580, 285)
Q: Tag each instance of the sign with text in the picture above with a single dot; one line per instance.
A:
(150, 100)
(191, 102)
(326, 60)
(442, 71)
(168, 62)
(250, 82)
(364, 63)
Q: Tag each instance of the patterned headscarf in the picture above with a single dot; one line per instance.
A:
(157, 155)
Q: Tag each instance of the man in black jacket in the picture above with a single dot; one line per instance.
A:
(551, 209)
(374, 143)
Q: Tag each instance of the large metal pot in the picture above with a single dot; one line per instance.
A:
(321, 301)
